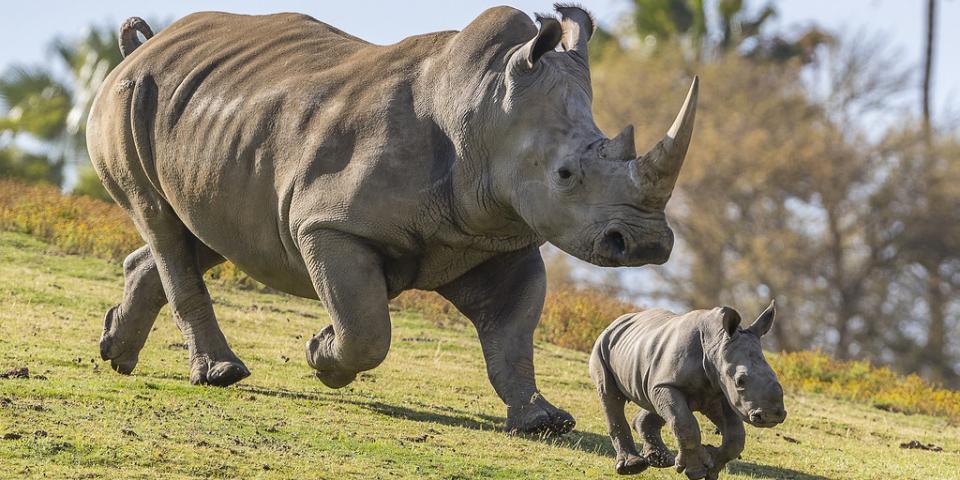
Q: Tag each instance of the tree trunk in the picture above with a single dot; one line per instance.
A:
(928, 64)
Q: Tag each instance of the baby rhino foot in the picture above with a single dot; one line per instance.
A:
(659, 457)
(713, 473)
(631, 465)
(205, 370)
(694, 463)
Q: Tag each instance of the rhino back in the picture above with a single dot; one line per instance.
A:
(653, 348)
(260, 123)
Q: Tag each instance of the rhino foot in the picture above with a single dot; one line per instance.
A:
(659, 457)
(695, 463)
(631, 465)
(335, 379)
(539, 417)
(219, 373)
(123, 353)
(323, 363)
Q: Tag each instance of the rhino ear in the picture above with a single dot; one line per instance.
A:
(546, 40)
(731, 320)
(763, 323)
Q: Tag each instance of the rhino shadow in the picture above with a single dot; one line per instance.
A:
(754, 470)
(588, 442)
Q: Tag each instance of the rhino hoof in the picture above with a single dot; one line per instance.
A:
(218, 374)
(660, 458)
(335, 379)
(123, 361)
(539, 418)
(632, 465)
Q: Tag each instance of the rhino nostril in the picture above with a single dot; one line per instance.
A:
(755, 416)
(615, 239)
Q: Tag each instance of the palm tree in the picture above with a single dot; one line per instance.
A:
(739, 30)
(44, 109)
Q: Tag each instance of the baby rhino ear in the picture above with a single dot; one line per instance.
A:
(763, 323)
(731, 320)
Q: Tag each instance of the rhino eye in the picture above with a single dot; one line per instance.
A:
(564, 173)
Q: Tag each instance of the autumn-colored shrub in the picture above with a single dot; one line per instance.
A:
(75, 224)
(82, 225)
(429, 304)
(574, 317)
(862, 382)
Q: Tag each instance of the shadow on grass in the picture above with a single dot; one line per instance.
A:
(754, 470)
(577, 440)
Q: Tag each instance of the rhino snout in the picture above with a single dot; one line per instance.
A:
(616, 248)
(767, 417)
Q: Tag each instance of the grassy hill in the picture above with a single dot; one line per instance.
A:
(427, 412)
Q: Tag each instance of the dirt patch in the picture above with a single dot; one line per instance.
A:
(915, 444)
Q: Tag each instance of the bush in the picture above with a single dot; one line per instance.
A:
(78, 225)
(574, 317)
(82, 225)
(862, 382)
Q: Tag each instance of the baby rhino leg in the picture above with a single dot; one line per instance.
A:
(648, 425)
(629, 461)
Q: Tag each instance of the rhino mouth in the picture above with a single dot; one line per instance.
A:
(615, 247)
(762, 419)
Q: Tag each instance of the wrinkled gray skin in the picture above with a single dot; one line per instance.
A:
(672, 365)
(330, 168)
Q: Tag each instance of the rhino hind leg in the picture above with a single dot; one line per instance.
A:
(178, 259)
(349, 280)
(649, 425)
(127, 325)
(503, 297)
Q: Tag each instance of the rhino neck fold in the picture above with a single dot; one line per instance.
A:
(461, 93)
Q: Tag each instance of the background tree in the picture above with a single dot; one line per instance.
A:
(797, 185)
(46, 109)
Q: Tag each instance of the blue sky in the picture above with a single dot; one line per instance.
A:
(27, 26)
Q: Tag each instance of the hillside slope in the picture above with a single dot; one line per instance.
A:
(428, 412)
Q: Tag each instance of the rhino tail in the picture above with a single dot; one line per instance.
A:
(128, 34)
(142, 114)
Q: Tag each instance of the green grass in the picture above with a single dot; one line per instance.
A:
(427, 412)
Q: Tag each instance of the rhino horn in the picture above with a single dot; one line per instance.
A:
(578, 27)
(622, 147)
(657, 171)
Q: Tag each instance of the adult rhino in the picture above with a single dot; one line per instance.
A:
(331, 168)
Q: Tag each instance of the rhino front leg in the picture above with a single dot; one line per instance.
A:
(672, 406)
(649, 425)
(127, 325)
(349, 279)
(734, 437)
(503, 297)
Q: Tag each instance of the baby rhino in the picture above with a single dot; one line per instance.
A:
(672, 365)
